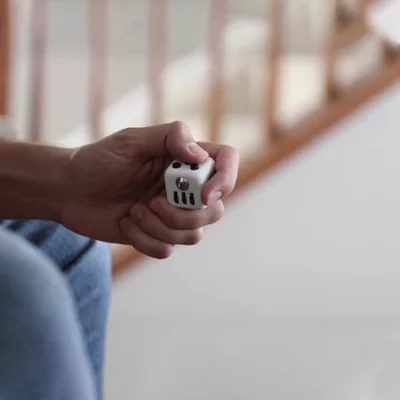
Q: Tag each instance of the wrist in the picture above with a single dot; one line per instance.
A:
(51, 180)
(33, 180)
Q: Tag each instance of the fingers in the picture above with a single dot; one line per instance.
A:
(226, 168)
(156, 229)
(153, 226)
(181, 219)
(181, 145)
(143, 242)
(174, 140)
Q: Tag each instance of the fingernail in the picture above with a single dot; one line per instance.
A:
(196, 150)
(214, 197)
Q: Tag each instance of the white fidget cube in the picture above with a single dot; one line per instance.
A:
(184, 183)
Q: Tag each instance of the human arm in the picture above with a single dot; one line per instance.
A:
(32, 180)
(113, 189)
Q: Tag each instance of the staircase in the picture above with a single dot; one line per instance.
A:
(270, 81)
(275, 100)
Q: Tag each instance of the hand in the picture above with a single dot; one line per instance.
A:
(115, 188)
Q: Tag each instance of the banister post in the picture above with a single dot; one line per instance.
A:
(274, 50)
(215, 99)
(331, 52)
(5, 27)
(37, 73)
(98, 65)
(157, 57)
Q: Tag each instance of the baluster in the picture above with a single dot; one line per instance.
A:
(390, 51)
(98, 65)
(38, 44)
(158, 49)
(215, 98)
(4, 57)
(331, 52)
(362, 7)
(273, 57)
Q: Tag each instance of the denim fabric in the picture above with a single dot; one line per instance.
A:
(54, 299)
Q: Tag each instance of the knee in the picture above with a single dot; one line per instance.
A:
(90, 282)
(39, 339)
(92, 275)
(27, 276)
(34, 297)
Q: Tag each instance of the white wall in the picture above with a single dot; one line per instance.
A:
(294, 295)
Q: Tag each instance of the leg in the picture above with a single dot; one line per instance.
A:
(90, 281)
(87, 266)
(42, 352)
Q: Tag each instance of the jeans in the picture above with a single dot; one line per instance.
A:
(54, 299)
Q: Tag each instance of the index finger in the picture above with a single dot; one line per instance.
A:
(226, 171)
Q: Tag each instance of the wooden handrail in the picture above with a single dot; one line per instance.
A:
(123, 257)
(4, 56)
(312, 127)
(362, 8)
(389, 52)
(37, 74)
(98, 60)
(272, 71)
(358, 28)
(315, 125)
(319, 122)
(287, 142)
(331, 53)
(282, 142)
(215, 99)
(158, 50)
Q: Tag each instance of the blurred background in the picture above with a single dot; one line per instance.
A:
(295, 294)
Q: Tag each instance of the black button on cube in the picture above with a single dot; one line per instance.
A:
(194, 167)
(184, 198)
(176, 165)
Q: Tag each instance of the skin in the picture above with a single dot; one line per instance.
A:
(113, 189)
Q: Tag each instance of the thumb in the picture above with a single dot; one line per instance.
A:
(173, 139)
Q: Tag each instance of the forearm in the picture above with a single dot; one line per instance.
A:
(32, 183)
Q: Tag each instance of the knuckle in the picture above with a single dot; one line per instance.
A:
(178, 129)
(175, 220)
(231, 152)
(195, 237)
(196, 222)
(133, 234)
(120, 140)
(147, 223)
(235, 154)
(218, 212)
(179, 126)
(227, 188)
(230, 149)
(137, 213)
(163, 251)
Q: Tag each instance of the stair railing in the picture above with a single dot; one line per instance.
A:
(344, 28)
